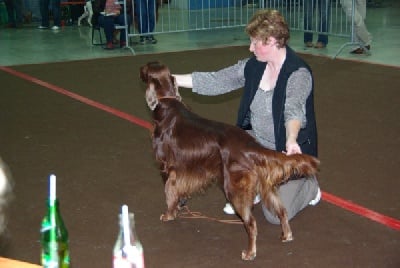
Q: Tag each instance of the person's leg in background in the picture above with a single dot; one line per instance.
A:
(44, 12)
(361, 28)
(142, 21)
(308, 22)
(14, 13)
(361, 34)
(324, 9)
(151, 11)
(56, 7)
(18, 7)
(146, 17)
(10, 13)
(121, 21)
(107, 23)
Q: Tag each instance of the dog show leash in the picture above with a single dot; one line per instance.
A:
(187, 214)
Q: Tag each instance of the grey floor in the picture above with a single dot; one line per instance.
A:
(28, 44)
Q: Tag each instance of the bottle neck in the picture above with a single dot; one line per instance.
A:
(54, 219)
(127, 232)
(53, 204)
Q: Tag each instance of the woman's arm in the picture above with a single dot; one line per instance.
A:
(214, 83)
(184, 80)
(292, 130)
(298, 89)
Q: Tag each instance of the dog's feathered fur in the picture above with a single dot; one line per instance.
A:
(194, 152)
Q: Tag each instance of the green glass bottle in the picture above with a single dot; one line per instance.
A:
(54, 234)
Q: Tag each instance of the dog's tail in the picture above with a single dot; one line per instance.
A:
(281, 167)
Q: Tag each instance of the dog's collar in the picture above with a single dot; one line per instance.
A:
(167, 97)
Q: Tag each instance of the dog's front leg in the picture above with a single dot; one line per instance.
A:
(172, 198)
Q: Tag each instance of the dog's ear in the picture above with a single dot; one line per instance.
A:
(178, 96)
(151, 97)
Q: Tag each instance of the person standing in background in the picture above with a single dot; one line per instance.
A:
(145, 14)
(44, 12)
(361, 34)
(324, 8)
(14, 13)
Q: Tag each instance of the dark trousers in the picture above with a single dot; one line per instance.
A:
(322, 27)
(145, 14)
(44, 12)
(14, 11)
(108, 24)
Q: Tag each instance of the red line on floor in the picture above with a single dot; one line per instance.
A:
(80, 98)
(337, 201)
(362, 211)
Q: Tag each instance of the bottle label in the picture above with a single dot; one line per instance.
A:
(123, 262)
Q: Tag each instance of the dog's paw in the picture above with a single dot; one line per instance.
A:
(248, 256)
(167, 217)
(287, 238)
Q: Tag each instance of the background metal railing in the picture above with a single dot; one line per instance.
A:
(183, 15)
(194, 15)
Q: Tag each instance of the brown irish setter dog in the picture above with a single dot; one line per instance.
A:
(194, 152)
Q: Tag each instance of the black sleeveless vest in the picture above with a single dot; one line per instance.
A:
(307, 137)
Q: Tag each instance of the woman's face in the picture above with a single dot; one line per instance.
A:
(263, 51)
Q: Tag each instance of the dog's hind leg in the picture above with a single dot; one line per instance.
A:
(242, 201)
(239, 187)
(172, 198)
(243, 209)
(274, 204)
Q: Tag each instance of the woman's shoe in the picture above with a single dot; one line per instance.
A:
(228, 209)
(257, 199)
(316, 199)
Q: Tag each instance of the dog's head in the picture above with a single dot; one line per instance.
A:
(160, 83)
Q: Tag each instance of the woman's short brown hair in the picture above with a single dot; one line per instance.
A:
(268, 23)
